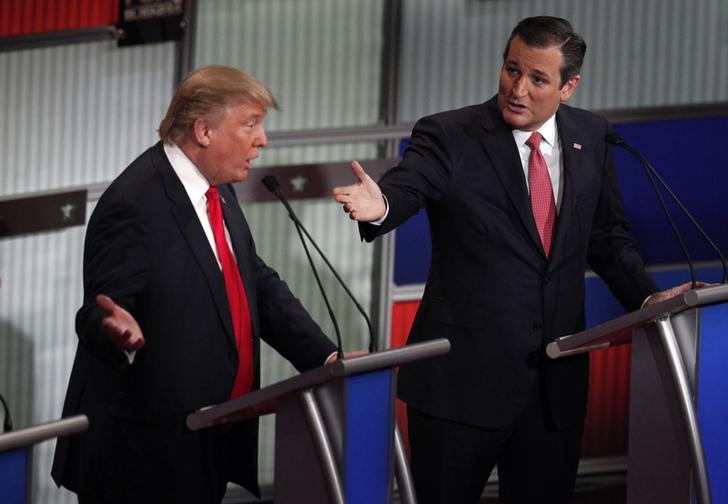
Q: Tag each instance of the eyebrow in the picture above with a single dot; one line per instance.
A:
(540, 73)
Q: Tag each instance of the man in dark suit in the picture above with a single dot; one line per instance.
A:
(515, 219)
(175, 305)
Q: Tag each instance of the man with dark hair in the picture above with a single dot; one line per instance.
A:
(176, 301)
(520, 193)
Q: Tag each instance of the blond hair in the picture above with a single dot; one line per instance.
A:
(209, 90)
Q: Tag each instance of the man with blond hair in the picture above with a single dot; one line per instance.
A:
(176, 301)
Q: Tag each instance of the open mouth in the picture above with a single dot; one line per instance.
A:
(516, 107)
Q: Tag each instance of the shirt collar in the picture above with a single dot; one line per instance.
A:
(194, 182)
(548, 133)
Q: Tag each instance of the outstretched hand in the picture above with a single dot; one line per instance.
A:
(362, 200)
(672, 292)
(120, 325)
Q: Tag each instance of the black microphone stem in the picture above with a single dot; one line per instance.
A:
(339, 351)
(372, 343)
(650, 171)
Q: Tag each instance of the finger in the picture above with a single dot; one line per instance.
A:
(341, 190)
(135, 344)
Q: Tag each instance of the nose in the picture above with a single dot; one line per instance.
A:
(519, 87)
(262, 139)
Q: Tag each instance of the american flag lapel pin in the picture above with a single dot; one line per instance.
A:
(577, 146)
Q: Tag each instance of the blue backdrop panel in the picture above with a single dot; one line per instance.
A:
(689, 154)
(686, 152)
(14, 467)
(712, 404)
(369, 437)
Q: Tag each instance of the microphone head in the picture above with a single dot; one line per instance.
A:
(271, 183)
(613, 139)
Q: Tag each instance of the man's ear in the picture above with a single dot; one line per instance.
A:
(568, 89)
(201, 132)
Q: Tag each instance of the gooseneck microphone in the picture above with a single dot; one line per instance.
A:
(271, 183)
(617, 141)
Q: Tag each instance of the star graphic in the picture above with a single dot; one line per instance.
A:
(67, 211)
(298, 183)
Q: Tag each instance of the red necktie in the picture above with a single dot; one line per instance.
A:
(236, 297)
(542, 194)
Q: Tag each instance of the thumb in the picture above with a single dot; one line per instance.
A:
(105, 302)
(358, 171)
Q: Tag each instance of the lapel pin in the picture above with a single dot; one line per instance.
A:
(577, 146)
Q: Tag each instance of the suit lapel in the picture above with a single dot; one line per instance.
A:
(186, 218)
(500, 147)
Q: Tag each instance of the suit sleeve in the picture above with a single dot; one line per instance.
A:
(116, 263)
(423, 175)
(285, 323)
(613, 253)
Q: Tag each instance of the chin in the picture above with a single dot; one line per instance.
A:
(515, 120)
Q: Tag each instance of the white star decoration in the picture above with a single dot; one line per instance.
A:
(298, 183)
(67, 211)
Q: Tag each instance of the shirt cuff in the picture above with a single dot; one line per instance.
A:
(644, 303)
(378, 222)
(331, 358)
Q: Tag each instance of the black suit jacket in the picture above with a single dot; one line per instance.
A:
(146, 249)
(491, 290)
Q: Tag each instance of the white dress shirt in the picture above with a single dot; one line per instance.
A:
(551, 151)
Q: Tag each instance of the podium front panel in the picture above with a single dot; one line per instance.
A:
(15, 467)
(369, 437)
(712, 403)
(659, 458)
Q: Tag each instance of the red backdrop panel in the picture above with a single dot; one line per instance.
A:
(25, 17)
(605, 431)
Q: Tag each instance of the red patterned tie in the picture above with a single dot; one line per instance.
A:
(236, 297)
(542, 194)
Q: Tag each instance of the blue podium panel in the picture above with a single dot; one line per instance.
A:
(14, 481)
(369, 437)
(712, 404)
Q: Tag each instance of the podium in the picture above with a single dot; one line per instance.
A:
(678, 439)
(16, 455)
(335, 431)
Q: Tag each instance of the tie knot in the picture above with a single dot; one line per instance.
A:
(534, 140)
(212, 192)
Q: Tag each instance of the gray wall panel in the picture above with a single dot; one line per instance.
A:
(320, 58)
(640, 53)
(77, 114)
